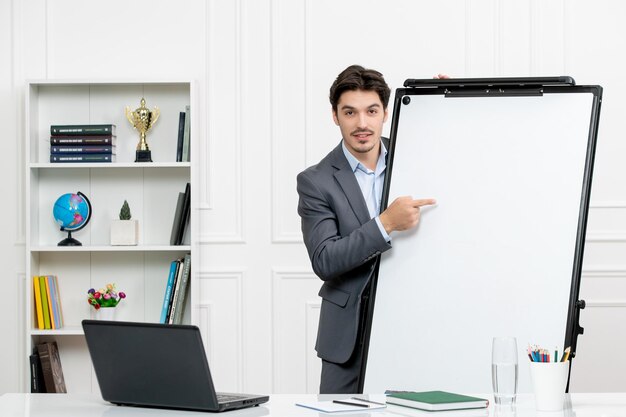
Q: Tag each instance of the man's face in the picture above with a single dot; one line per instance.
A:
(360, 116)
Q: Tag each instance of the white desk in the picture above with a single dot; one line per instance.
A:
(282, 405)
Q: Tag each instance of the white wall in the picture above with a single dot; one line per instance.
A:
(264, 68)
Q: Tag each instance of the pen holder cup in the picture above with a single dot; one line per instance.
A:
(549, 382)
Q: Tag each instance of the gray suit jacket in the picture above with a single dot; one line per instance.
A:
(343, 243)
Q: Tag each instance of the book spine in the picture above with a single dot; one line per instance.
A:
(175, 292)
(184, 218)
(93, 149)
(177, 214)
(57, 370)
(182, 290)
(58, 299)
(105, 129)
(186, 157)
(38, 307)
(168, 292)
(83, 140)
(44, 302)
(50, 303)
(82, 158)
(46, 366)
(54, 301)
(35, 374)
(181, 135)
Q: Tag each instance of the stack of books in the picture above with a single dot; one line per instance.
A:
(46, 373)
(82, 143)
(176, 291)
(47, 302)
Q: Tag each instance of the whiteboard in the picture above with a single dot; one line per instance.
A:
(495, 256)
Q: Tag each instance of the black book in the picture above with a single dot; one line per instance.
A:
(181, 135)
(85, 157)
(78, 149)
(81, 130)
(36, 373)
(81, 140)
(177, 215)
(184, 218)
(177, 276)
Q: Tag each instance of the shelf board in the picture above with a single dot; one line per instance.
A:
(108, 248)
(111, 165)
(65, 331)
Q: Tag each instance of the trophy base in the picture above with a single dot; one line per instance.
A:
(143, 156)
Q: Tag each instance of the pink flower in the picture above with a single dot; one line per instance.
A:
(122, 295)
(96, 295)
(107, 296)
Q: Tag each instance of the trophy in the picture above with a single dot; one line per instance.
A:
(142, 119)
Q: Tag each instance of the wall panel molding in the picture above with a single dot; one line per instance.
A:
(220, 304)
(294, 301)
(216, 169)
(289, 110)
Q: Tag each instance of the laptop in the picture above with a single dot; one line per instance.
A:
(156, 365)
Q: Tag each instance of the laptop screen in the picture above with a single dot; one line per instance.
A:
(149, 364)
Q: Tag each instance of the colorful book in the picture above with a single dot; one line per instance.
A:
(54, 301)
(78, 149)
(44, 303)
(50, 303)
(38, 306)
(168, 292)
(57, 294)
(86, 157)
(96, 140)
(181, 292)
(435, 400)
(82, 129)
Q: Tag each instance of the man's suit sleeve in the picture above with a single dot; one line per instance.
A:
(332, 254)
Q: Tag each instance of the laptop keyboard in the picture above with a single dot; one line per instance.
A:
(225, 397)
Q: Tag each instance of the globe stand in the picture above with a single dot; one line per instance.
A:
(69, 240)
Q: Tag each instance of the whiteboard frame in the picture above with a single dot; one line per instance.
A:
(489, 88)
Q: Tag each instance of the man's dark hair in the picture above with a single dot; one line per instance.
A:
(355, 77)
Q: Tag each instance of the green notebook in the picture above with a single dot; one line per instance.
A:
(435, 400)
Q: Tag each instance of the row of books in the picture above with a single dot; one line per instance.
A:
(184, 133)
(82, 143)
(180, 225)
(46, 373)
(48, 312)
(176, 291)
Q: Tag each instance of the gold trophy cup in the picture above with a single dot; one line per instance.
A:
(142, 120)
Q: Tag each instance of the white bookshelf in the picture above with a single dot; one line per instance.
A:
(151, 190)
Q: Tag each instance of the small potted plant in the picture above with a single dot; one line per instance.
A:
(125, 231)
(105, 300)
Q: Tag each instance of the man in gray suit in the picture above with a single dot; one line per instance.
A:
(343, 231)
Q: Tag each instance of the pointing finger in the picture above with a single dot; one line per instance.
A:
(424, 202)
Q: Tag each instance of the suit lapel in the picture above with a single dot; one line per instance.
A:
(349, 185)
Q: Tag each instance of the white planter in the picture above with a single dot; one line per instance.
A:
(124, 232)
(105, 313)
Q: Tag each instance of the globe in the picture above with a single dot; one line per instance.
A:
(71, 212)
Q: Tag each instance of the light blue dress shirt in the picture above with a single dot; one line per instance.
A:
(371, 183)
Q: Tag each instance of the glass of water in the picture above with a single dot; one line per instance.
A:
(504, 370)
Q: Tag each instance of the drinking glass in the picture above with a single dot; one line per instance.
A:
(504, 369)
